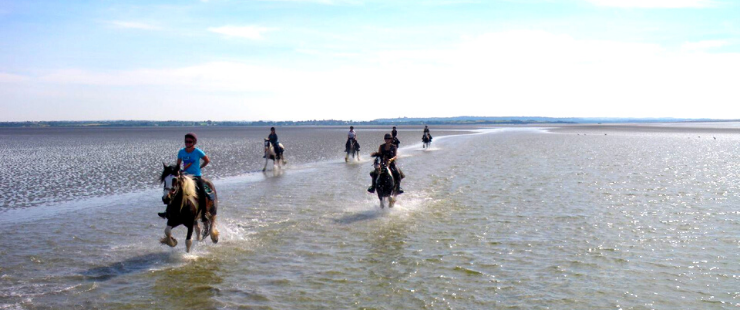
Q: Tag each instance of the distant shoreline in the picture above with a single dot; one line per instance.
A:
(462, 120)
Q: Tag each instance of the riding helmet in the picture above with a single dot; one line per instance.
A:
(193, 136)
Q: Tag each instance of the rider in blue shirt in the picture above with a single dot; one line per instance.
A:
(190, 157)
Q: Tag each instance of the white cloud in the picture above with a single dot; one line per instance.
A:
(13, 78)
(506, 73)
(655, 3)
(328, 2)
(248, 32)
(134, 25)
(703, 45)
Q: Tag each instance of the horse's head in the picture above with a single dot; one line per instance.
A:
(381, 165)
(182, 186)
(169, 173)
(268, 147)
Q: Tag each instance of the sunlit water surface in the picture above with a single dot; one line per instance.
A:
(507, 218)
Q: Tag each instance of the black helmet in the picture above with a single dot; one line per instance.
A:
(387, 136)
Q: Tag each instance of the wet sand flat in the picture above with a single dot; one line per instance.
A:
(719, 128)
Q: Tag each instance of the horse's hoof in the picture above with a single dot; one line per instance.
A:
(172, 242)
(214, 237)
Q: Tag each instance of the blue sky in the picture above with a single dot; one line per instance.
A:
(361, 60)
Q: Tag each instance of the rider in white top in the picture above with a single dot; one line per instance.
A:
(351, 137)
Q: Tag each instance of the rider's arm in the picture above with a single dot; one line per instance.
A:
(179, 161)
(395, 155)
(206, 161)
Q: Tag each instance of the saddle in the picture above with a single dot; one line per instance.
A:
(209, 191)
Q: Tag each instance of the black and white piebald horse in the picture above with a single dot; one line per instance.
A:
(181, 197)
(278, 159)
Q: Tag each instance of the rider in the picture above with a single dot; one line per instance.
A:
(396, 142)
(427, 134)
(191, 157)
(273, 138)
(351, 136)
(388, 153)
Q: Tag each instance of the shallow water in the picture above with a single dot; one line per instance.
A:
(505, 218)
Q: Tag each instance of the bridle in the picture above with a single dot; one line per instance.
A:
(169, 187)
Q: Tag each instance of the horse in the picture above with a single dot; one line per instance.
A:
(427, 140)
(277, 158)
(181, 197)
(385, 185)
(353, 149)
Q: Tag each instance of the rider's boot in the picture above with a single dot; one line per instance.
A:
(399, 190)
(162, 215)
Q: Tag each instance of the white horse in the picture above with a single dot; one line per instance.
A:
(278, 159)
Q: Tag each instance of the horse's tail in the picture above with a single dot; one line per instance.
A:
(189, 194)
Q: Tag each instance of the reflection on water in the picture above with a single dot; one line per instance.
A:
(506, 219)
(50, 165)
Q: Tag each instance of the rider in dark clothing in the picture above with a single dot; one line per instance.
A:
(273, 138)
(394, 133)
(426, 137)
(389, 153)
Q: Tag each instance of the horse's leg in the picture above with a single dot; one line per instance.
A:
(168, 239)
(214, 231)
(266, 159)
(189, 240)
(206, 219)
(196, 228)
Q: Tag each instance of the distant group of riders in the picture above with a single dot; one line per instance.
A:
(190, 161)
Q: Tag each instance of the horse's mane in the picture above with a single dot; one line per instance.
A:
(269, 148)
(188, 191)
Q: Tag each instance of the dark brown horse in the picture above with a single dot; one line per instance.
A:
(181, 197)
(385, 184)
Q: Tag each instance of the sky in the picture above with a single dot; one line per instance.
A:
(232, 60)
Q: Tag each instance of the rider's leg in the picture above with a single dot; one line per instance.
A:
(398, 176)
(374, 175)
(201, 193)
